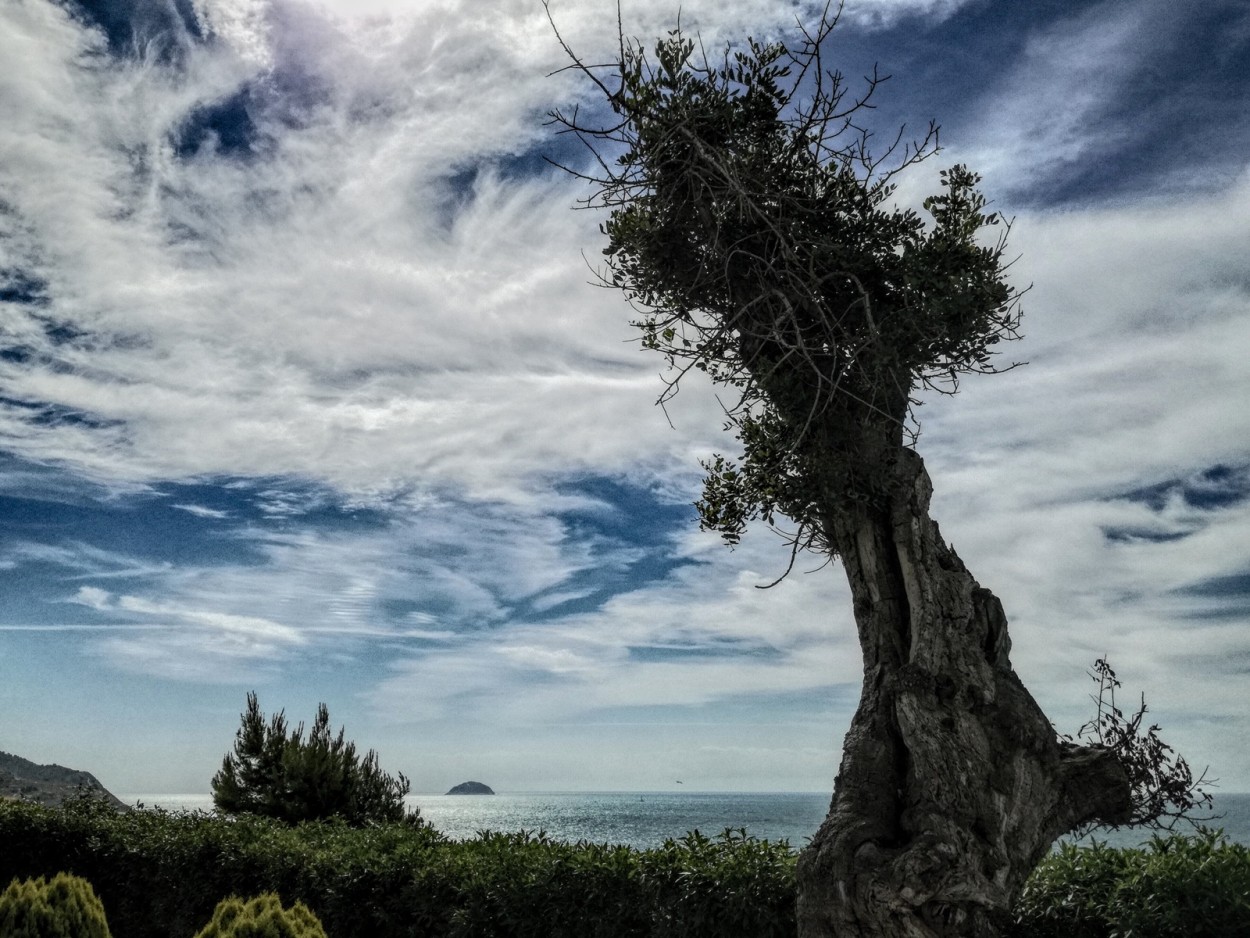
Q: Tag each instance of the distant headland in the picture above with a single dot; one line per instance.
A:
(23, 780)
(471, 788)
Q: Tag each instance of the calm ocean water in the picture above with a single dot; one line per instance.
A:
(647, 819)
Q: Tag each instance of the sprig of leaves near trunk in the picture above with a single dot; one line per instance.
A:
(280, 774)
(753, 229)
(1165, 791)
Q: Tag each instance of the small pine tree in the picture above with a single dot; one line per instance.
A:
(283, 775)
(65, 907)
(261, 917)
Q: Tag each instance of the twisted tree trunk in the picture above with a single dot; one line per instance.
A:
(952, 785)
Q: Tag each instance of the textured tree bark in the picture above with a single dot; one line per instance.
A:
(953, 784)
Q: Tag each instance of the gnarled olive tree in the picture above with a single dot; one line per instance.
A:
(753, 228)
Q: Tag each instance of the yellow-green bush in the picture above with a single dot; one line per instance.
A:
(262, 917)
(65, 907)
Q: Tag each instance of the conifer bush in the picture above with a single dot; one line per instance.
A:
(261, 917)
(281, 773)
(64, 907)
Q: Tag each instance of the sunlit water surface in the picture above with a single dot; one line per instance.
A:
(647, 819)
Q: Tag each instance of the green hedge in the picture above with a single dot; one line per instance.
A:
(1196, 887)
(160, 875)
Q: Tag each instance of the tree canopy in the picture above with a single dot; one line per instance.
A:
(280, 773)
(758, 236)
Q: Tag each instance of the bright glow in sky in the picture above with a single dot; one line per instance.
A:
(303, 389)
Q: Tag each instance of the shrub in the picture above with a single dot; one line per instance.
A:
(262, 917)
(731, 884)
(1185, 886)
(65, 907)
(1172, 887)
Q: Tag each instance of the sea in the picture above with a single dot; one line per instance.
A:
(647, 819)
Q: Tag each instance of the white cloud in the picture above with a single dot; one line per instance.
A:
(886, 13)
(340, 312)
(201, 512)
(218, 658)
(240, 23)
(246, 628)
(92, 596)
(80, 561)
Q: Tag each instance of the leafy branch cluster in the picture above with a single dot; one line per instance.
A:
(1164, 788)
(753, 228)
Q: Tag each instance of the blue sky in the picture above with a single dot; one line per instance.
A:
(304, 390)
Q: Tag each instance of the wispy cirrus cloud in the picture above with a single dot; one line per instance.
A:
(315, 307)
(305, 387)
(202, 512)
(1114, 100)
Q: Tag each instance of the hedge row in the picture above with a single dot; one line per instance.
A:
(1198, 887)
(160, 875)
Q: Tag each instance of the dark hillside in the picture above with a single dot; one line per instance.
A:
(24, 780)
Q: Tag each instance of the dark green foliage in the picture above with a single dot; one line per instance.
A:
(161, 875)
(755, 231)
(64, 907)
(526, 885)
(1174, 887)
(728, 885)
(280, 774)
(261, 917)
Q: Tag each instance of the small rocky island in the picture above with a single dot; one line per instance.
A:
(471, 788)
(23, 780)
